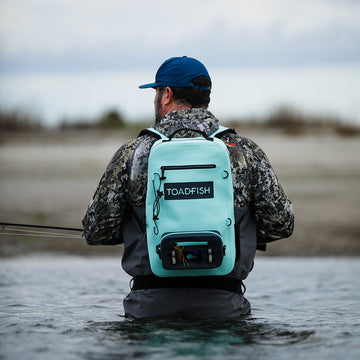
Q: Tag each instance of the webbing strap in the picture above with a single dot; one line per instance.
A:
(152, 131)
(216, 133)
(220, 130)
(156, 132)
(202, 282)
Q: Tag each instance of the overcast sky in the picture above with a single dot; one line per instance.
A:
(76, 58)
(81, 35)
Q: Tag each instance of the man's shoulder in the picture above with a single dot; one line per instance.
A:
(142, 139)
(237, 140)
(138, 146)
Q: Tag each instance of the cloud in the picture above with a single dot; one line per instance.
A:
(84, 35)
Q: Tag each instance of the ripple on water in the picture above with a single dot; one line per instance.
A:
(47, 315)
(182, 337)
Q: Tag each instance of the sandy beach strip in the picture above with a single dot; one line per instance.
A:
(50, 179)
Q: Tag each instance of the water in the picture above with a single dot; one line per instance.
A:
(64, 307)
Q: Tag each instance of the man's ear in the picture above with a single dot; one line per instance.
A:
(168, 96)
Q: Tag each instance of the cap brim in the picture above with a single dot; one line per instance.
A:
(146, 86)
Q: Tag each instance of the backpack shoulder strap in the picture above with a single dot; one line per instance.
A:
(222, 130)
(154, 132)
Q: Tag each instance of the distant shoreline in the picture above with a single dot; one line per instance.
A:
(49, 178)
(283, 120)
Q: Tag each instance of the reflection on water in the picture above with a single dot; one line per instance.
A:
(204, 335)
(183, 338)
(70, 308)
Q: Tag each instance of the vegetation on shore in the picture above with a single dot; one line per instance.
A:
(284, 119)
(49, 174)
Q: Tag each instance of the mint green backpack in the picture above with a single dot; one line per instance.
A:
(189, 207)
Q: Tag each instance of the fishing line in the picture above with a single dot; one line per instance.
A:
(42, 226)
(43, 232)
(34, 233)
(43, 235)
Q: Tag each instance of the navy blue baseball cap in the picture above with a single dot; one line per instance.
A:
(178, 72)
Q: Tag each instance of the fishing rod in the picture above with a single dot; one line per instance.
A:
(3, 225)
(43, 233)
(38, 233)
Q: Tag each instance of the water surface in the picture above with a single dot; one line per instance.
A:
(65, 307)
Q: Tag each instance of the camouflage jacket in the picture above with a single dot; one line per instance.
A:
(120, 196)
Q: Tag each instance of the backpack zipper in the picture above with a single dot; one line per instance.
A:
(185, 167)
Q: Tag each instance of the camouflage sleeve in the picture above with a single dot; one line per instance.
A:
(108, 207)
(273, 209)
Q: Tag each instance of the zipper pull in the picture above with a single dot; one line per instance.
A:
(163, 177)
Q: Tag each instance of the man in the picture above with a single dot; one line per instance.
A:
(116, 214)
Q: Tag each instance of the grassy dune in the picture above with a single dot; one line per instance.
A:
(49, 178)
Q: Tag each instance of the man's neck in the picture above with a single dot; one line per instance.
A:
(175, 107)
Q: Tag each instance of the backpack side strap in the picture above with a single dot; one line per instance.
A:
(152, 131)
(222, 130)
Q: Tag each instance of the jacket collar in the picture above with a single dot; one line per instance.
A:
(190, 119)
